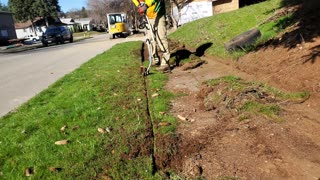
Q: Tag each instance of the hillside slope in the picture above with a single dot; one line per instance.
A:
(220, 143)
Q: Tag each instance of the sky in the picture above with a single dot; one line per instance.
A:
(66, 5)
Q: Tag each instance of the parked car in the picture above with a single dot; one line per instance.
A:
(56, 34)
(32, 38)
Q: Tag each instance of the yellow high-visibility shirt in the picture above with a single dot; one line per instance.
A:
(155, 7)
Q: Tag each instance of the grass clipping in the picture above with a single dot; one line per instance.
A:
(232, 97)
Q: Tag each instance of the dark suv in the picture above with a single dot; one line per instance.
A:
(56, 34)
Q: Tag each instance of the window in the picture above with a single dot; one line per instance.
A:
(4, 33)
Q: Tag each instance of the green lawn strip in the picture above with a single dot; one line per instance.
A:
(160, 105)
(164, 124)
(221, 28)
(87, 33)
(102, 93)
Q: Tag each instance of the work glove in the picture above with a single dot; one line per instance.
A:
(142, 8)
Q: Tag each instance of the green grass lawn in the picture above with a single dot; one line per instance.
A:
(107, 92)
(221, 28)
(87, 34)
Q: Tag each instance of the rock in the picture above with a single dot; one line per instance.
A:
(62, 142)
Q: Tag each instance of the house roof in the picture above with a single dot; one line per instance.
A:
(38, 22)
(67, 20)
(23, 25)
(83, 20)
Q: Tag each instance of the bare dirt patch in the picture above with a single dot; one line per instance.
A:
(219, 145)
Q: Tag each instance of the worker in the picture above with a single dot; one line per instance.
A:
(156, 10)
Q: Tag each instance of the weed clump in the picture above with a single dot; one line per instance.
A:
(233, 97)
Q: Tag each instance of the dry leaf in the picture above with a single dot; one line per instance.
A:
(62, 142)
(101, 130)
(164, 124)
(75, 128)
(155, 95)
(162, 113)
(54, 169)
(28, 172)
(182, 118)
(108, 130)
(63, 128)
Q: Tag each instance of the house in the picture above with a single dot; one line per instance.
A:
(7, 30)
(24, 29)
(38, 26)
(86, 23)
(193, 10)
(196, 9)
(71, 24)
(221, 6)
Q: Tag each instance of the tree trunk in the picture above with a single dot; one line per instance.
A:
(46, 20)
(32, 26)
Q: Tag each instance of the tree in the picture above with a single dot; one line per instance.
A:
(179, 4)
(77, 13)
(83, 13)
(3, 7)
(46, 8)
(25, 10)
(99, 8)
(22, 9)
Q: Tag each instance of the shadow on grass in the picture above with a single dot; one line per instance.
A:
(306, 16)
(303, 16)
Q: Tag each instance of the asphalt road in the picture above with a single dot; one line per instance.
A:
(25, 74)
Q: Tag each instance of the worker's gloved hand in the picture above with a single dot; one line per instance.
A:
(142, 8)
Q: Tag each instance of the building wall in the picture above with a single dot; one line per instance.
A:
(23, 32)
(7, 30)
(221, 6)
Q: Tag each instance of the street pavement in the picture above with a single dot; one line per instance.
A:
(25, 74)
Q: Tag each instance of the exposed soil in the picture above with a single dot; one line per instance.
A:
(218, 145)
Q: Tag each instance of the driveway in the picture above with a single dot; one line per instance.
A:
(25, 74)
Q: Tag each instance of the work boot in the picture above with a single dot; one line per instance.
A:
(163, 68)
(155, 61)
